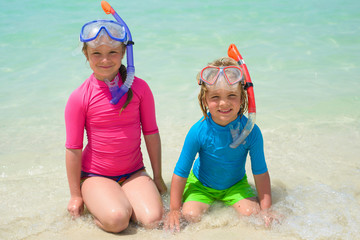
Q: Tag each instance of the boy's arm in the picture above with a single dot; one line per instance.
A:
(176, 192)
(263, 187)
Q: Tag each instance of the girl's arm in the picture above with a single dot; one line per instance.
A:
(176, 192)
(153, 145)
(73, 169)
(263, 187)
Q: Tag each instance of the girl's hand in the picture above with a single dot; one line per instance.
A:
(75, 206)
(172, 221)
(160, 184)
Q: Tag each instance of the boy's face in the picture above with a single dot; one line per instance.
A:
(224, 104)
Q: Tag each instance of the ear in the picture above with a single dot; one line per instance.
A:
(123, 51)
(84, 50)
(205, 103)
(203, 99)
(86, 54)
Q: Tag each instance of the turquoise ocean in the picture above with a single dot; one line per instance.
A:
(303, 57)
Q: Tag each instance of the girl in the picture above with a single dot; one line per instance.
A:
(109, 174)
(219, 171)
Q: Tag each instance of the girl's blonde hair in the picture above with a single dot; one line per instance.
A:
(222, 62)
(122, 71)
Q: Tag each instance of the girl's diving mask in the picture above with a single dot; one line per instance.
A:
(212, 74)
(100, 32)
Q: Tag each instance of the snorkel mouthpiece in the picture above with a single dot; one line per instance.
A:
(233, 52)
(130, 69)
(107, 8)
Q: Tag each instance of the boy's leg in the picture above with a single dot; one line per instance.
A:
(247, 206)
(192, 210)
(197, 199)
(242, 197)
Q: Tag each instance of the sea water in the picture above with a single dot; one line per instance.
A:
(303, 58)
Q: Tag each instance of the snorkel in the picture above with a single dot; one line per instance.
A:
(117, 92)
(248, 86)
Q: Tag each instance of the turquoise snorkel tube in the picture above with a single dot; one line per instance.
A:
(233, 52)
(117, 94)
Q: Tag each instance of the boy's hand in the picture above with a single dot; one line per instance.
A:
(172, 221)
(269, 217)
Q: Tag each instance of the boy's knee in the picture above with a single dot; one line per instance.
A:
(247, 207)
(192, 215)
(248, 211)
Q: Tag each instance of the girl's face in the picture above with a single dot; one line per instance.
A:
(223, 104)
(105, 61)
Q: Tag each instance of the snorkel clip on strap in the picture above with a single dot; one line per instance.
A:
(129, 43)
(247, 85)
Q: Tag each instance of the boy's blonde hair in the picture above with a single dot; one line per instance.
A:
(222, 62)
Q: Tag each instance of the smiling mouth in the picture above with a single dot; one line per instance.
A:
(224, 111)
(106, 67)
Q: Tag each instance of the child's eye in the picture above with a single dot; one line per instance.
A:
(233, 95)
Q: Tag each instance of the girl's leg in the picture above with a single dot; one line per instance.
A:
(144, 198)
(107, 202)
(247, 206)
(192, 210)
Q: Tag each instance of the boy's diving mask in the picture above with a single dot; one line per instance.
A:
(211, 74)
(100, 32)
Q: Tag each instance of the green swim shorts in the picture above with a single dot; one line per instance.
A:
(196, 191)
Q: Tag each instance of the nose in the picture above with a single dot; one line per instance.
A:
(222, 102)
(105, 58)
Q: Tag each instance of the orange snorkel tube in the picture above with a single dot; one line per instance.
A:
(248, 86)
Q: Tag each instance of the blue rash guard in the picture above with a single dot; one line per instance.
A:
(218, 166)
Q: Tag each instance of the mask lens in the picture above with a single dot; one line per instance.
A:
(233, 74)
(116, 31)
(209, 74)
(92, 29)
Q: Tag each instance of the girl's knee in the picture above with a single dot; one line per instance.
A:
(115, 221)
(151, 219)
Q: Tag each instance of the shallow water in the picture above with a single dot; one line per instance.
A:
(303, 59)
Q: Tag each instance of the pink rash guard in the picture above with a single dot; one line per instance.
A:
(113, 147)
